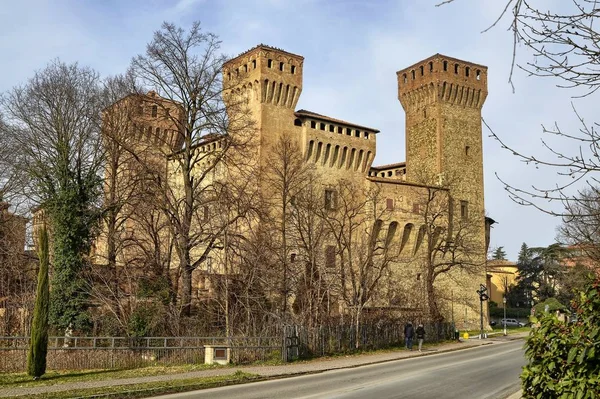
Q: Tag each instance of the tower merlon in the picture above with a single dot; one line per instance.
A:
(266, 74)
(440, 78)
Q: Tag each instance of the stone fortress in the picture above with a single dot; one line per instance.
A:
(442, 98)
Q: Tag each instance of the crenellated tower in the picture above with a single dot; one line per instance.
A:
(269, 80)
(443, 98)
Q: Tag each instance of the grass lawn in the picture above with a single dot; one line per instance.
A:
(150, 388)
(8, 380)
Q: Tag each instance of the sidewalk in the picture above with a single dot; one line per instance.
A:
(307, 367)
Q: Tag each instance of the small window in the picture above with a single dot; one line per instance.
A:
(464, 210)
(330, 199)
(467, 149)
(253, 64)
(366, 136)
(467, 71)
(389, 173)
(330, 256)
(430, 66)
(292, 258)
(422, 69)
(418, 276)
(293, 69)
(357, 133)
(154, 111)
(445, 66)
(331, 128)
(389, 204)
(270, 63)
(478, 74)
(297, 122)
(455, 68)
(281, 67)
(412, 74)
(237, 71)
(228, 75)
(313, 124)
(340, 129)
(348, 131)
(404, 78)
(322, 126)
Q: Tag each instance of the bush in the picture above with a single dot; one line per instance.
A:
(564, 359)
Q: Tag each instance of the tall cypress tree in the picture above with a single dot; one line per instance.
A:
(38, 344)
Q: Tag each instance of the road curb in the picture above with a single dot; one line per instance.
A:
(280, 374)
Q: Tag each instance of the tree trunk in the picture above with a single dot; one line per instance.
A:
(38, 344)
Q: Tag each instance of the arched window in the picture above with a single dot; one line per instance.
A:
(297, 122)
(445, 66)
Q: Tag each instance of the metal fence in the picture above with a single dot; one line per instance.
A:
(292, 342)
(79, 353)
(302, 342)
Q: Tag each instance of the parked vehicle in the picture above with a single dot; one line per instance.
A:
(511, 323)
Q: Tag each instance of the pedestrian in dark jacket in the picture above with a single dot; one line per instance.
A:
(409, 333)
(420, 335)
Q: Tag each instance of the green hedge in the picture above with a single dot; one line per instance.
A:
(512, 313)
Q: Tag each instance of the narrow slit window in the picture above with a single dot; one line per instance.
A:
(455, 68)
(464, 210)
(281, 66)
(422, 70)
(293, 69)
(478, 74)
(404, 78)
(467, 150)
(430, 66)
(467, 71)
(270, 63)
(412, 73)
(445, 66)
(253, 64)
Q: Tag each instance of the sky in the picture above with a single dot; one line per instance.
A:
(352, 50)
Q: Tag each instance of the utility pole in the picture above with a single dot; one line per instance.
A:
(482, 297)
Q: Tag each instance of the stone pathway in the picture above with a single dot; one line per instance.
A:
(314, 366)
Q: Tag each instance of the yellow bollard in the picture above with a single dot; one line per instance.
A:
(466, 335)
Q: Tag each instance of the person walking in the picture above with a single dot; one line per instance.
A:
(409, 333)
(420, 335)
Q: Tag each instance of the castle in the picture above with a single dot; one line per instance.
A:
(430, 209)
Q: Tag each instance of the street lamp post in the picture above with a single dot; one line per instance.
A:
(504, 302)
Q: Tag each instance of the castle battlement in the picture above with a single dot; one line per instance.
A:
(267, 75)
(440, 78)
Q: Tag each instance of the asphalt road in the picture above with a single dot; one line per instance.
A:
(490, 371)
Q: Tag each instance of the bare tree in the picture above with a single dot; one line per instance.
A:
(185, 69)
(286, 175)
(564, 46)
(55, 119)
(451, 244)
(363, 252)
